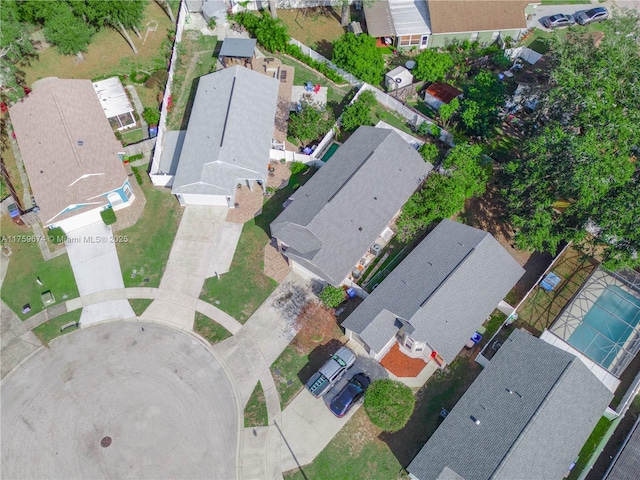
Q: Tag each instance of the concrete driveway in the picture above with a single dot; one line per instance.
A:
(307, 424)
(113, 401)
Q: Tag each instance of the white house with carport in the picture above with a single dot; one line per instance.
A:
(432, 303)
(526, 416)
(70, 153)
(227, 141)
(336, 223)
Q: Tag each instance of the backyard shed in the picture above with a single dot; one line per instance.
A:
(439, 94)
(115, 103)
(397, 79)
(237, 51)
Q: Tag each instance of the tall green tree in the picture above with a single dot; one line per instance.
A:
(481, 102)
(584, 150)
(359, 55)
(359, 112)
(309, 123)
(433, 66)
(68, 32)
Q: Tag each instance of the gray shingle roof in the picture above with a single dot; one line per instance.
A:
(626, 465)
(535, 432)
(446, 288)
(338, 214)
(238, 47)
(229, 133)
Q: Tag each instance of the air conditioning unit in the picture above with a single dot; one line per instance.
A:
(376, 249)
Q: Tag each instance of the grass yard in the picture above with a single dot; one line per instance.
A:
(109, 54)
(255, 413)
(150, 239)
(379, 112)
(590, 447)
(209, 329)
(26, 265)
(139, 305)
(51, 329)
(285, 373)
(195, 59)
(243, 289)
(541, 308)
(355, 452)
(317, 28)
(132, 136)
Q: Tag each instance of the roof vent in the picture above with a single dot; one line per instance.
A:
(475, 420)
(80, 143)
(359, 229)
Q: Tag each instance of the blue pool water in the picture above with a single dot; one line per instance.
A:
(607, 325)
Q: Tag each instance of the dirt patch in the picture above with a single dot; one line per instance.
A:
(316, 27)
(401, 365)
(279, 174)
(489, 213)
(275, 264)
(248, 204)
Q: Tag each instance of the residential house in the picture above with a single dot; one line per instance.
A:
(228, 138)
(527, 415)
(345, 209)
(437, 23)
(435, 299)
(626, 463)
(70, 153)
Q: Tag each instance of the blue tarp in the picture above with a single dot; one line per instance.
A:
(549, 282)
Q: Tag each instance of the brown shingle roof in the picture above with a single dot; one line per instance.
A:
(63, 135)
(453, 16)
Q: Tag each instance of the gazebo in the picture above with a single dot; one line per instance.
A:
(237, 51)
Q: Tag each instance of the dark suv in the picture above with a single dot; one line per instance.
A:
(349, 395)
(594, 15)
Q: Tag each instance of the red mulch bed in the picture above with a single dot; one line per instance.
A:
(400, 365)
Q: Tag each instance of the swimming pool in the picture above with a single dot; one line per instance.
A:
(330, 151)
(607, 326)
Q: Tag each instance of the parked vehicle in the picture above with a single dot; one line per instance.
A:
(594, 15)
(349, 395)
(331, 372)
(558, 20)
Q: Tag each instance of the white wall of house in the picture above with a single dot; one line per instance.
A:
(306, 273)
(161, 180)
(197, 199)
(78, 221)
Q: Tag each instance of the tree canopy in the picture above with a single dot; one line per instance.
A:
(389, 404)
(309, 123)
(359, 112)
(444, 195)
(432, 66)
(359, 55)
(481, 102)
(577, 177)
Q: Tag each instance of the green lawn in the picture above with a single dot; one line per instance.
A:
(132, 136)
(243, 289)
(590, 447)
(26, 265)
(255, 413)
(139, 305)
(355, 452)
(285, 373)
(209, 329)
(149, 240)
(51, 329)
(195, 59)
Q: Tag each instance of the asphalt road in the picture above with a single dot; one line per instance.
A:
(114, 401)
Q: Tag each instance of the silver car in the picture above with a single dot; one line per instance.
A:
(594, 15)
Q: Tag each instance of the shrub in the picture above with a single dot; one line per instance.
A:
(435, 130)
(309, 123)
(389, 404)
(429, 152)
(151, 116)
(315, 323)
(359, 112)
(136, 173)
(359, 56)
(298, 167)
(432, 66)
(332, 296)
(57, 235)
(108, 216)
(211, 24)
(323, 68)
(157, 79)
